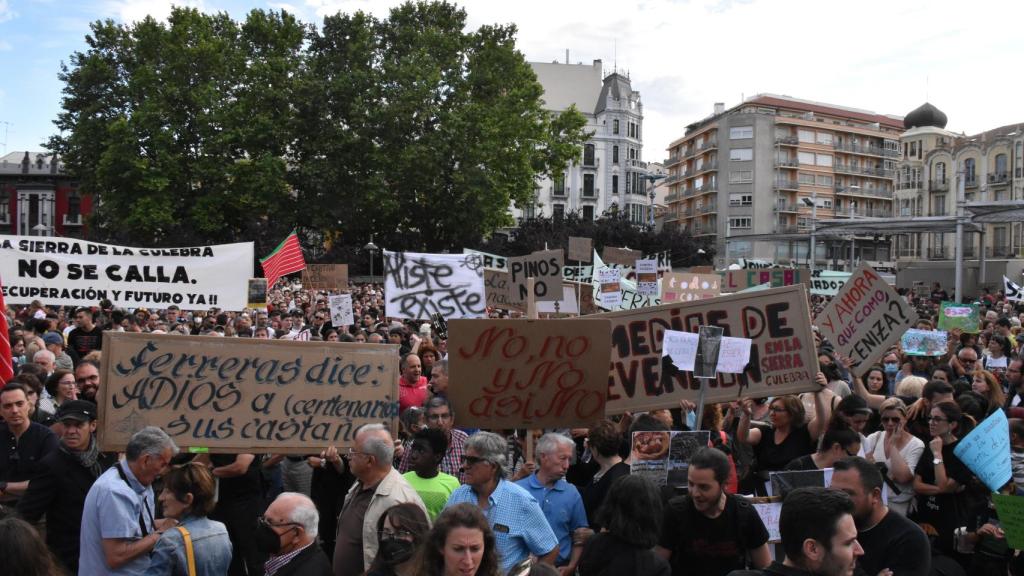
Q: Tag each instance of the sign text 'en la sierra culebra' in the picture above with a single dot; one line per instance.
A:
(528, 373)
(231, 395)
(70, 272)
(782, 359)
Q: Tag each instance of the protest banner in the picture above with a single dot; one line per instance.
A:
(737, 280)
(489, 260)
(416, 286)
(828, 282)
(70, 272)
(1012, 291)
(865, 319)
(686, 286)
(498, 288)
(953, 315)
(580, 249)
(664, 457)
(1010, 509)
(782, 357)
(924, 342)
(257, 291)
(528, 373)
(752, 264)
(341, 310)
(620, 256)
(325, 277)
(647, 277)
(244, 394)
(545, 267)
(586, 273)
(986, 451)
(610, 292)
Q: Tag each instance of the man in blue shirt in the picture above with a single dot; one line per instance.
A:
(519, 525)
(560, 500)
(118, 527)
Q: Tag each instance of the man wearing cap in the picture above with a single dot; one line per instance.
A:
(55, 343)
(59, 491)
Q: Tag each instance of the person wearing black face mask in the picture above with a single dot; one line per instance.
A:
(287, 533)
(401, 531)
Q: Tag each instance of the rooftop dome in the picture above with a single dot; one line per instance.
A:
(925, 115)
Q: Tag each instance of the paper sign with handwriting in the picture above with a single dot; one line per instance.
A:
(737, 280)
(865, 319)
(417, 286)
(924, 342)
(966, 317)
(528, 373)
(545, 267)
(580, 249)
(610, 294)
(681, 348)
(244, 394)
(686, 286)
(647, 277)
(986, 451)
(341, 310)
(782, 358)
(325, 277)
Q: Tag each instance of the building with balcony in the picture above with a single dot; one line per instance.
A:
(611, 174)
(754, 177)
(932, 163)
(38, 199)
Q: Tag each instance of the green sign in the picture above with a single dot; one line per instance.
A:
(1011, 518)
(966, 317)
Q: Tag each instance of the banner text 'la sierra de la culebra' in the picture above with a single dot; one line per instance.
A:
(782, 359)
(244, 395)
(70, 272)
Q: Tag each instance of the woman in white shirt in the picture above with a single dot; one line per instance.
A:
(898, 449)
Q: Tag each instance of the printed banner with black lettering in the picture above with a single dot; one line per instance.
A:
(416, 286)
(782, 358)
(70, 272)
(243, 394)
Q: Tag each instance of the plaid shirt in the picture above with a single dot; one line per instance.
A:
(277, 562)
(452, 461)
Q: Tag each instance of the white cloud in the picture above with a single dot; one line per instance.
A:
(135, 10)
(6, 12)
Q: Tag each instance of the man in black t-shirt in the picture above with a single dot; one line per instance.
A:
(709, 532)
(87, 336)
(890, 541)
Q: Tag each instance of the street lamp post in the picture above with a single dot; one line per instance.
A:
(652, 178)
(372, 249)
(813, 200)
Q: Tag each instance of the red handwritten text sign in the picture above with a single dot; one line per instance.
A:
(528, 373)
(782, 358)
(736, 280)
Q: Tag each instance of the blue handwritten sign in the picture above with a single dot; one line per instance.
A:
(986, 451)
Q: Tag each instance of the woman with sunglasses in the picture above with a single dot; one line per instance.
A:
(898, 449)
(401, 531)
(188, 497)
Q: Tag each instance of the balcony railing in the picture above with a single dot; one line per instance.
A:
(971, 183)
(706, 167)
(707, 188)
(787, 140)
(787, 208)
(873, 192)
(673, 197)
(1004, 251)
(908, 185)
(939, 254)
(561, 192)
(938, 185)
(999, 178)
(687, 212)
(708, 144)
(688, 191)
(638, 164)
(674, 160)
(672, 179)
(789, 229)
(863, 170)
(708, 209)
(592, 163)
(69, 220)
(868, 150)
(592, 195)
(787, 163)
(787, 185)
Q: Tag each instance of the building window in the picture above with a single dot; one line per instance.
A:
(823, 180)
(558, 211)
(940, 172)
(558, 187)
(615, 126)
(74, 205)
(1001, 165)
(615, 153)
(913, 149)
(740, 132)
(588, 213)
(741, 199)
(824, 138)
(615, 184)
(698, 182)
(741, 176)
(588, 185)
(969, 170)
(735, 223)
(939, 205)
(806, 136)
(805, 157)
(588, 154)
(823, 159)
(1018, 160)
(806, 178)
(741, 154)
(632, 153)
(629, 182)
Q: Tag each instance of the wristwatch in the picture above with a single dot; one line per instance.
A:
(936, 461)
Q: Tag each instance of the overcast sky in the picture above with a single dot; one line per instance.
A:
(683, 56)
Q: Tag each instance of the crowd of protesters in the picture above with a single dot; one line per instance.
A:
(442, 499)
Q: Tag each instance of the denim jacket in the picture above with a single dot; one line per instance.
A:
(210, 544)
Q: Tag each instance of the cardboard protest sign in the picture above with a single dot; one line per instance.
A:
(647, 277)
(620, 256)
(782, 356)
(770, 513)
(736, 280)
(341, 309)
(966, 317)
(580, 249)
(921, 290)
(528, 373)
(498, 287)
(257, 290)
(664, 457)
(489, 260)
(685, 286)
(585, 295)
(545, 267)
(1010, 509)
(924, 342)
(567, 305)
(244, 394)
(325, 277)
(828, 282)
(865, 319)
(734, 354)
(416, 286)
(1012, 291)
(986, 451)
(608, 280)
(70, 272)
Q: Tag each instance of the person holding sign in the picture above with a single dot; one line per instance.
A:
(899, 450)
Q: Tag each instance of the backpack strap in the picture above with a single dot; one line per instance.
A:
(190, 555)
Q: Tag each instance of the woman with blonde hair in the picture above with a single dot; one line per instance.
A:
(898, 449)
(986, 384)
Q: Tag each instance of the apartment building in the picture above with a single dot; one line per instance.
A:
(611, 174)
(37, 198)
(932, 162)
(757, 175)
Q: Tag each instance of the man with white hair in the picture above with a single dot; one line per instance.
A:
(47, 360)
(287, 532)
(378, 487)
(560, 500)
